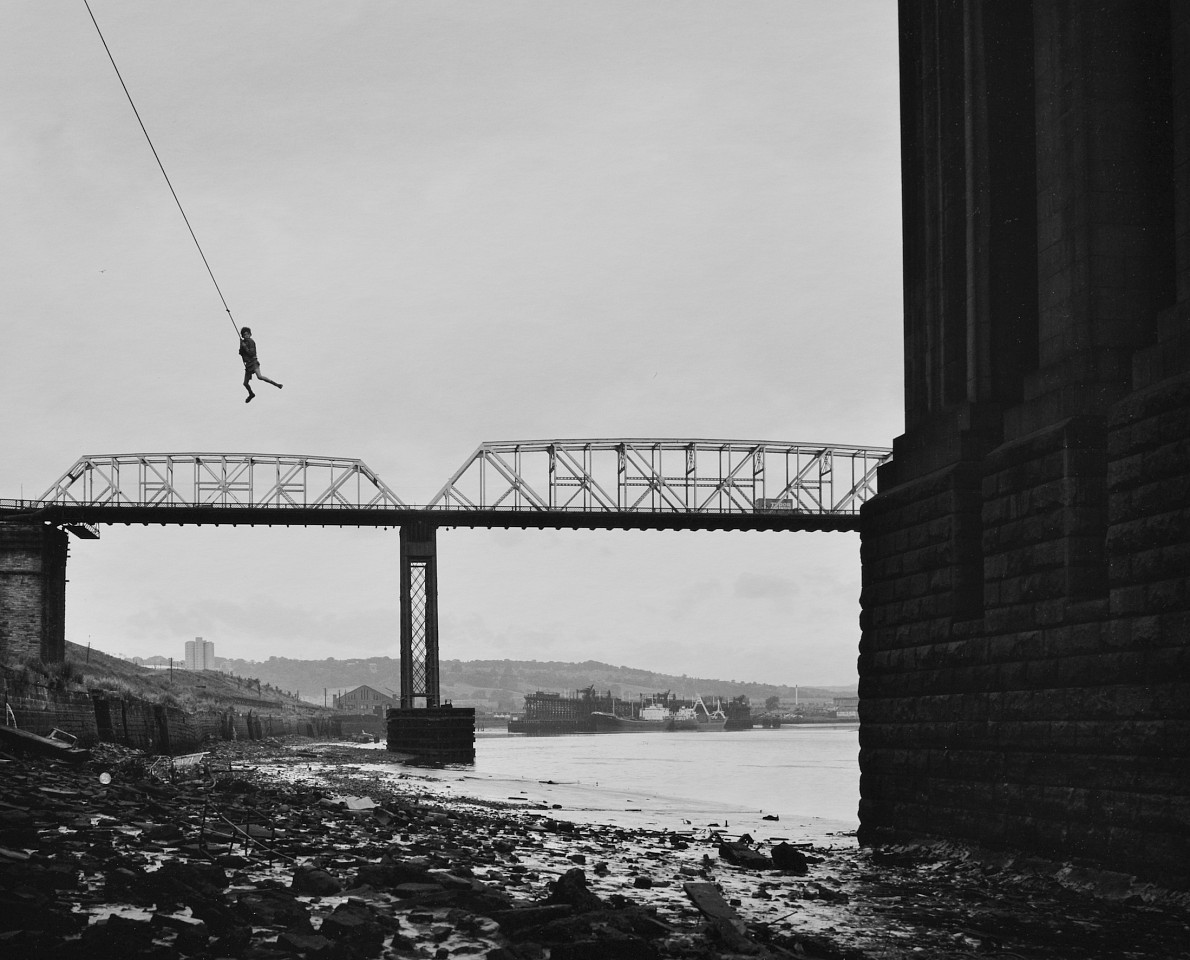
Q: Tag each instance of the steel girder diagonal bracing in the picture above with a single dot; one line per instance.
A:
(243, 480)
(664, 476)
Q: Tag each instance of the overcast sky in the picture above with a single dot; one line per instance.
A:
(451, 222)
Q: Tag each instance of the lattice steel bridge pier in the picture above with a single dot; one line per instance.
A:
(419, 614)
(437, 732)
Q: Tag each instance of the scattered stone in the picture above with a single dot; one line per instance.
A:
(787, 857)
(163, 832)
(571, 888)
(191, 933)
(117, 933)
(389, 872)
(609, 948)
(740, 854)
(273, 907)
(410, 891)
(357, 924)
(315, 880)
(232, 942)
(205, 879)
(523, 917)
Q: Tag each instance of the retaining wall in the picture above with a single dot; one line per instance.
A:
(152, 727)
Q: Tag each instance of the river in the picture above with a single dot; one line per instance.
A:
(807, 776)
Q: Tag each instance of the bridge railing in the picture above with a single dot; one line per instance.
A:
(684, 476)
(220, 480)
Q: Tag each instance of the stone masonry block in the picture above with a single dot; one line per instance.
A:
(1168, 458)
(1168, 595)
(1168, 396)
(1171, 526)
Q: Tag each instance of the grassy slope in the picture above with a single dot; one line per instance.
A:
(102, 672)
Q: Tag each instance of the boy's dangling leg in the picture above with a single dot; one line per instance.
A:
(248, 385)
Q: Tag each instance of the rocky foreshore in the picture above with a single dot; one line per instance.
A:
(298, 849)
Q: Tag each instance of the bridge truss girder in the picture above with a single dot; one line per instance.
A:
(238, 480)
(663, 476)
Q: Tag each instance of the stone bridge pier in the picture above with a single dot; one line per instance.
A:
(1025, 653)
(32, 592)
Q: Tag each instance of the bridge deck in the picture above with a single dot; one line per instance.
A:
(68, 515)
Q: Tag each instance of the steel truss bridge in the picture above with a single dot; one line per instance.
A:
(638, 484)
(579, 484)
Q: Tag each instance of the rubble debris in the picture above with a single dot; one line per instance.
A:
(741, 854)
(19, 742)
(788, 857)
(723, 919)
(264, 860)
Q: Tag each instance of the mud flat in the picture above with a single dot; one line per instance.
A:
(302, 849)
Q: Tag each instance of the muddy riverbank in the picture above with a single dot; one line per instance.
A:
(302, 849)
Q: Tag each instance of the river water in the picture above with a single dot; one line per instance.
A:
(806, 778)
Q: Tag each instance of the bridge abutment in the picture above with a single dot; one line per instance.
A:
(32, 592)
(1025, 653)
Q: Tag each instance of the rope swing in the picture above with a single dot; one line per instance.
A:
(161, 167)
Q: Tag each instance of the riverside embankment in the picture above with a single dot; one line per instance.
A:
(306, 849)
(145, 709)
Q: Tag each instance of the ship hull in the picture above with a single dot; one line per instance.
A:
(714, 723)
(608, 723)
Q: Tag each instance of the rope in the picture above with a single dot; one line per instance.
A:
(161, 166)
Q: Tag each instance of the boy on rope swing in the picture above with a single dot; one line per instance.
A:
(251, 364)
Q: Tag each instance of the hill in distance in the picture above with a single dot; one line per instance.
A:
(99, 672)
(501, 685)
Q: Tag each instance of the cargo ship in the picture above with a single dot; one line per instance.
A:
(586, 711)
(692, 716)
(698, 716)
(553, 713)
(739, 714)
(652, 717)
